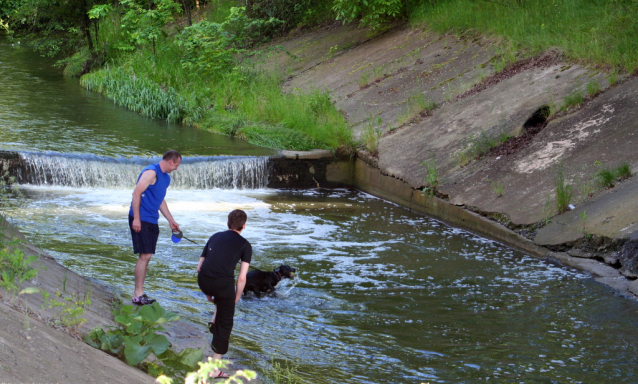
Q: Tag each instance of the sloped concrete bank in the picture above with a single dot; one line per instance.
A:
(431, 101)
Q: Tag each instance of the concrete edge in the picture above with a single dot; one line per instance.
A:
(308, 155)
(371, 180)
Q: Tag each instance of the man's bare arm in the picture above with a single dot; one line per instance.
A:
(147, 178)
(241, 280)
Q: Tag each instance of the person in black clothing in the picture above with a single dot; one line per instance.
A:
(215, 276)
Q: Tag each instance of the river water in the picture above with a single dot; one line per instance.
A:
(381, 295)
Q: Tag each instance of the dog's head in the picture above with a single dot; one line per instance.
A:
(286, 271)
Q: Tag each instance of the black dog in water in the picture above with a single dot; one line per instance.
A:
(264, 282)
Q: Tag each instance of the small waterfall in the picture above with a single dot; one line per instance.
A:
(89, 171)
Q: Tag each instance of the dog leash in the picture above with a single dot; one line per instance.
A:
(178, 235)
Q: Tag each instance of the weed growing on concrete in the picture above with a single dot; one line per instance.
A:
(416, 106)
(574, 99)
(548, 211)
(586, 186)
(592, 88)
(71, 307)
(613, 78)
(563, 191)
(606, 178)
(497, 188)
(333, 50)
(623, 172)
(583, 220)
(478, 145)
(431, 176)
(139, 335)
(15, 267)
(371, 136)
(364, 80)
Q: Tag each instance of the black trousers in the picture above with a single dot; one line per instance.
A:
(223, 290)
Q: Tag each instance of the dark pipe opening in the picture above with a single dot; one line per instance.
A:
(538, 119)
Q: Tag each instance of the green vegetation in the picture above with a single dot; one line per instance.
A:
(371, 136)
(164, 59)
(592, 88)
(563, 191)
(284, 371)
(416, 106)
(607, 178)
(574, 99)
(71, 307)
(431, 178)
(205, 371)
(15, 267)
(497, 188)
(478, 145)
(137, 337)
(595, 31)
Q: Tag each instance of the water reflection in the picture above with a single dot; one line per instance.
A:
(382, 296)
(41, 110)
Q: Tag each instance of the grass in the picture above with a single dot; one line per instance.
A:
(416, 106)
(479, 145)
(371, 136)
(563, 191)
(607, 178)
(155, 86)
(597, 31)
(573, 100)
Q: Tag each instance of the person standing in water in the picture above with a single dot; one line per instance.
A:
(148, 199)
(215, 276)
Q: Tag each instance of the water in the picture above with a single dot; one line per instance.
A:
(381, 295)
(41, 110)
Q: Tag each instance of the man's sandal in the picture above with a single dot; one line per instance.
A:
(220, 375)
(143, 300)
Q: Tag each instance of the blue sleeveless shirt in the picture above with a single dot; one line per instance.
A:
(153, 196)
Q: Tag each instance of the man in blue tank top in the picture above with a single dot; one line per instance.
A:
(148, 199)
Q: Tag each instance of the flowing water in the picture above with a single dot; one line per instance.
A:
(381, 295)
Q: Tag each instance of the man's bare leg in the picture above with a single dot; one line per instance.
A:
(141, 267)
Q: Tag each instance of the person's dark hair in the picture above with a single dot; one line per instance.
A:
(171, 155)
(237, 219)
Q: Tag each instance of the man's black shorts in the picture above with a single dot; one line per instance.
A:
(145, 240)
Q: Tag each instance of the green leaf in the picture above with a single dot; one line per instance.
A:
(111, 342)
(136, 353)
(186, 359)
(159, 343)
(30, 290)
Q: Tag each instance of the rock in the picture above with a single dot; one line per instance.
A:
(629, 259)
(579, 253)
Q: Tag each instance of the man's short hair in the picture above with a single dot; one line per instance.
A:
(237, 219)
(171, 155)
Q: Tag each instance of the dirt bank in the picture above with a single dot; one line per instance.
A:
(440, 99)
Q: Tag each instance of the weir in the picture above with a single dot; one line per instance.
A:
(89, 171)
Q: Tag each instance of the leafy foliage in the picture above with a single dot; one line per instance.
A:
(373, 13)
(137, 337)
(15, 266)
(143, 25)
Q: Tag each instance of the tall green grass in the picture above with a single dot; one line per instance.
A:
(603, 32)
(245, 102)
